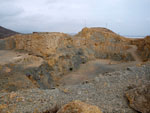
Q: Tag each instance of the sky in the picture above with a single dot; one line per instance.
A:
(125, 17)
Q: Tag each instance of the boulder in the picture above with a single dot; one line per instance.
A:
(79, 107)
(139, 98)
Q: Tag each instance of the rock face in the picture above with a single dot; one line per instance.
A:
(143, 47)
(6, 32)
(139, 98)
(56, 49)
(34, 64)
(14, 68)
(63, 53)
(103, 43)
(79, 107)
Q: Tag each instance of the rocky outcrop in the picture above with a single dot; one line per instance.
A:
(139, 98)
(143, 47)
(57, 50)
(28, 83)
(42, 44)
(63, 54)
(79, 107)
(104, 44)
(92, 42)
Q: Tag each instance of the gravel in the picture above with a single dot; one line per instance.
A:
(107, 91)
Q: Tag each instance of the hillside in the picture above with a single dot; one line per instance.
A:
(6, 32)
(95, 66)
(63, 54)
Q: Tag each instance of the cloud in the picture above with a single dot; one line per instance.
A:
(8, 8)
(70, 15)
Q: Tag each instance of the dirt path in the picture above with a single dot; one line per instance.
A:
(133, 50)
(93, 68)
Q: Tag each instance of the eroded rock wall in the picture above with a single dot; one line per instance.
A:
(63, 53)
(104, 44)
(143, 47)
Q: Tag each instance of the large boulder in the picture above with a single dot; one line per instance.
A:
(139, 98)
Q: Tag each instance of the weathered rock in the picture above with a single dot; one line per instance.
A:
(63, 54)
(139, 98)
(143, 47)
(103, 44)
(92, 42)
(41, 76)
(79, 107)
(2, 44)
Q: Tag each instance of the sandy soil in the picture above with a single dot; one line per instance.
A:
(24, 59)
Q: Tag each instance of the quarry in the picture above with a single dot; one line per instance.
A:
(52, 72)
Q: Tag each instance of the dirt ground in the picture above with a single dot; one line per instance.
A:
(84, 73)
(93, 68)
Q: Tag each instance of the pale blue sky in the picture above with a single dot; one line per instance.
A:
(126, 17)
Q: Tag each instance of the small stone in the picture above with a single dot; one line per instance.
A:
(97, 79)
(79, 93)
(3, 106)
(12, 95)
(7, 70)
